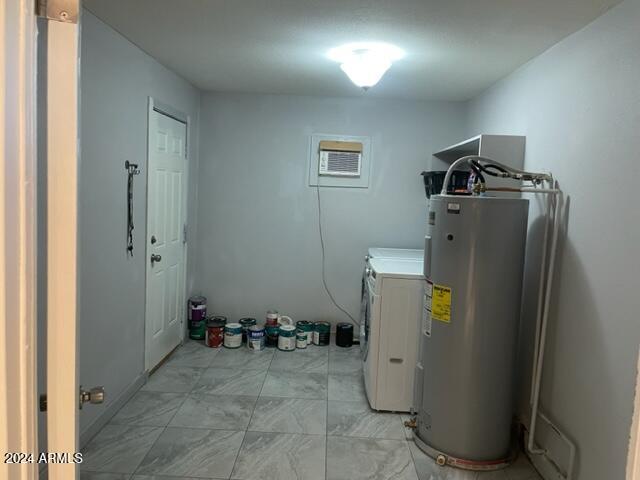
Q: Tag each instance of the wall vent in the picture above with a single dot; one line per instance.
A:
(340, 159)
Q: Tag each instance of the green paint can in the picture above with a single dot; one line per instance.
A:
(272, 336)
(321, 333)
(304, 332)
(197, 330)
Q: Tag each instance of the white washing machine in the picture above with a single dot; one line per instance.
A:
(390, 326)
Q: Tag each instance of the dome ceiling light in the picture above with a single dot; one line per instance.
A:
(365, 63)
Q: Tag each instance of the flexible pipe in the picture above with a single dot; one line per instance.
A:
(454, 165)
(467, 159)
(543, 332)
(543, 264)
(523, 189)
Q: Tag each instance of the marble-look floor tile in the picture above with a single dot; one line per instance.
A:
(104, 476)
(153, 409)
(193, 354)
(367, 458)
(220, 412)
(356, 419)
(295, 385)
(348, 388)
(189, 452)
(229, 381)
(497, 475)
(160, 477)
(302, 361)
(173, 379)
(289, 415)
(344, 363)
(119, 448)
(281, 456)
(428, 469)
(352, 351)
(522, 469)
(243, 359)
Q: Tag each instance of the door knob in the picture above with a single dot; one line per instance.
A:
(94, 396)
(155, 258)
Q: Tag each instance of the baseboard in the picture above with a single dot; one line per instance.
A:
(108, 413)
(558, 461)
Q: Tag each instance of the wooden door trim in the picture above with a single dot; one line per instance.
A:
(162, 108)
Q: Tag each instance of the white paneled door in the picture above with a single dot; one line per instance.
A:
(166, 241)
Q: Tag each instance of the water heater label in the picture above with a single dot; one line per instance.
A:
(441, 303)
(453, 208)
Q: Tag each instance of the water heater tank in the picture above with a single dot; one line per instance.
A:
(474, 260)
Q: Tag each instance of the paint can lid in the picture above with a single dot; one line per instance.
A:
(287, 328)
(322, 326)
(198, 300)
(247, 321)
(256, 328)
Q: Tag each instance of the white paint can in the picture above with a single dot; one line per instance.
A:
(232, 335)
(287, 338)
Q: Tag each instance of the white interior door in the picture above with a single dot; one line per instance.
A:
(166, 242)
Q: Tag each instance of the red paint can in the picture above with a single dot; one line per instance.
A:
(214, 336)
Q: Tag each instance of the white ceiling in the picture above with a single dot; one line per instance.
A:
(455, 48)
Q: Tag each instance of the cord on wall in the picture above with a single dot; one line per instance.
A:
(324, 279)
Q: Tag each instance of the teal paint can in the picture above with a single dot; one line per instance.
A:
(232, 335)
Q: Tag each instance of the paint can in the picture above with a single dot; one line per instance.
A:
(256, 338)
(246, 323)
(306, 327)
(272, 318)
(214, 336)
(232, 335)
(197, 308)
(197, 330)
(287, 338)
(321, 333)
(271, 336)
(301, 339)
(344, 335)
(284, 320)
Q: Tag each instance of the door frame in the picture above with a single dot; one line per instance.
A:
(18, 240)
(162, 108)
(63, 87)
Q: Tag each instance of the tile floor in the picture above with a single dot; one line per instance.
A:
(272, 415)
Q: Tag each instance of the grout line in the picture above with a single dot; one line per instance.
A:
(326, 435)
(164, 429)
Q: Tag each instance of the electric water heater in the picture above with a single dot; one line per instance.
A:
(464, 384)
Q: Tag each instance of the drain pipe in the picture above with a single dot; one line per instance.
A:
(539, 360)
(543, 264)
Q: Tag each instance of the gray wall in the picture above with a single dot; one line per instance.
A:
(579, 106)
(116, 79)
(258, 221)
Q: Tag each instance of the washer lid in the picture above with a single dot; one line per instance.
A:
(399, 253)
(397, 267)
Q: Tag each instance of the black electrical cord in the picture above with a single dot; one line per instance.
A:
(324, 279)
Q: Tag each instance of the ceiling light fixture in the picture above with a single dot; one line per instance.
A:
(365, 63)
